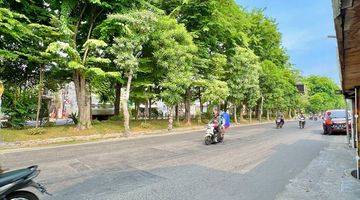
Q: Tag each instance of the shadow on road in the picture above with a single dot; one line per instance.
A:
(193, 181)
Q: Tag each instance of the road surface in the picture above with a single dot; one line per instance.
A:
(254, 162)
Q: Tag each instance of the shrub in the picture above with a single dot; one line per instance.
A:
(117, 117)
(154, 113)
(94, 122)
(35, 131)
(20, 105)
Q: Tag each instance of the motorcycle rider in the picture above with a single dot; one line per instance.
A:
(216, 119)
(301, 116)
(281, 117)
(217, 122)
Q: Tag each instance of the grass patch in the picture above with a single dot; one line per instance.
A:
(99, 127)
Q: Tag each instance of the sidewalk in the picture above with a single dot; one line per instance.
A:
(327, 177)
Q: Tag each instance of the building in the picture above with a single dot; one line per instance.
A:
(347, 25)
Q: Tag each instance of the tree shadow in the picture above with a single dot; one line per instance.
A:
(193, 181)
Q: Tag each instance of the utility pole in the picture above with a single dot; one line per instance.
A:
(348, 134)
(353, 134)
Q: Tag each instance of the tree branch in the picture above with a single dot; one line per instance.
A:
(78, 22)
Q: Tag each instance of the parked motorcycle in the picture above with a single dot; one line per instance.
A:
(212, 136)
(279, 122)
(302, 122)
(12, 184)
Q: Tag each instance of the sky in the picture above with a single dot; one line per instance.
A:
(305, 25)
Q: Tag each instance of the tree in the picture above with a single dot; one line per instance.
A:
(322, 92)
(24, 43)
(317, 103)
(265, 38)
(174, 52)
(78, 51)
(127, 47)
(243, 78)
(270, 86)
(216, 92)
(218, 27)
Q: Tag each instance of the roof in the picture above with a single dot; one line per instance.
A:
(347, 26)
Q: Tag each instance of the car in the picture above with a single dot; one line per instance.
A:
(334, 121)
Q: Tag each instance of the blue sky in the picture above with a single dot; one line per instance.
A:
(305, 25)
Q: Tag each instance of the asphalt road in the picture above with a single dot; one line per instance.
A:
(254, 162)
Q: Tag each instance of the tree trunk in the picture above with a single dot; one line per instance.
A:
(250, 115)
(146, 110)
(268, 115)
(290, 116)
(126, 107)
(261, 109)
(241, 112)
(150, 102)
(117, 99)
(83, 100)
(177, 113)
(187, 106)
(199, 117)
(41, 90)
(225, 105)
(137, 110)
(200, 102)
(235, 115)
(171, 118)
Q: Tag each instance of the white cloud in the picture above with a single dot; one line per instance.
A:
(299, 40)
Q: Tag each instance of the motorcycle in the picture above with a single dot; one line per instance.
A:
(12, 183)
(212, 136)
(302, 122)
(279, 123)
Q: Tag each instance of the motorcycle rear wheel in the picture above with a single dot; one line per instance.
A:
(221, 138)
(208, 140)
(22, 195)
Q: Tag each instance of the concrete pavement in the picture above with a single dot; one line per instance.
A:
(257, 162)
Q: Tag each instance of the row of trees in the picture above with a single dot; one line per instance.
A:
(323, 94)
(176, 51)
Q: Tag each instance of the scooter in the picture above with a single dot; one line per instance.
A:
(302, 122)
(12, 184)
(212, 136)
(279, 123)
